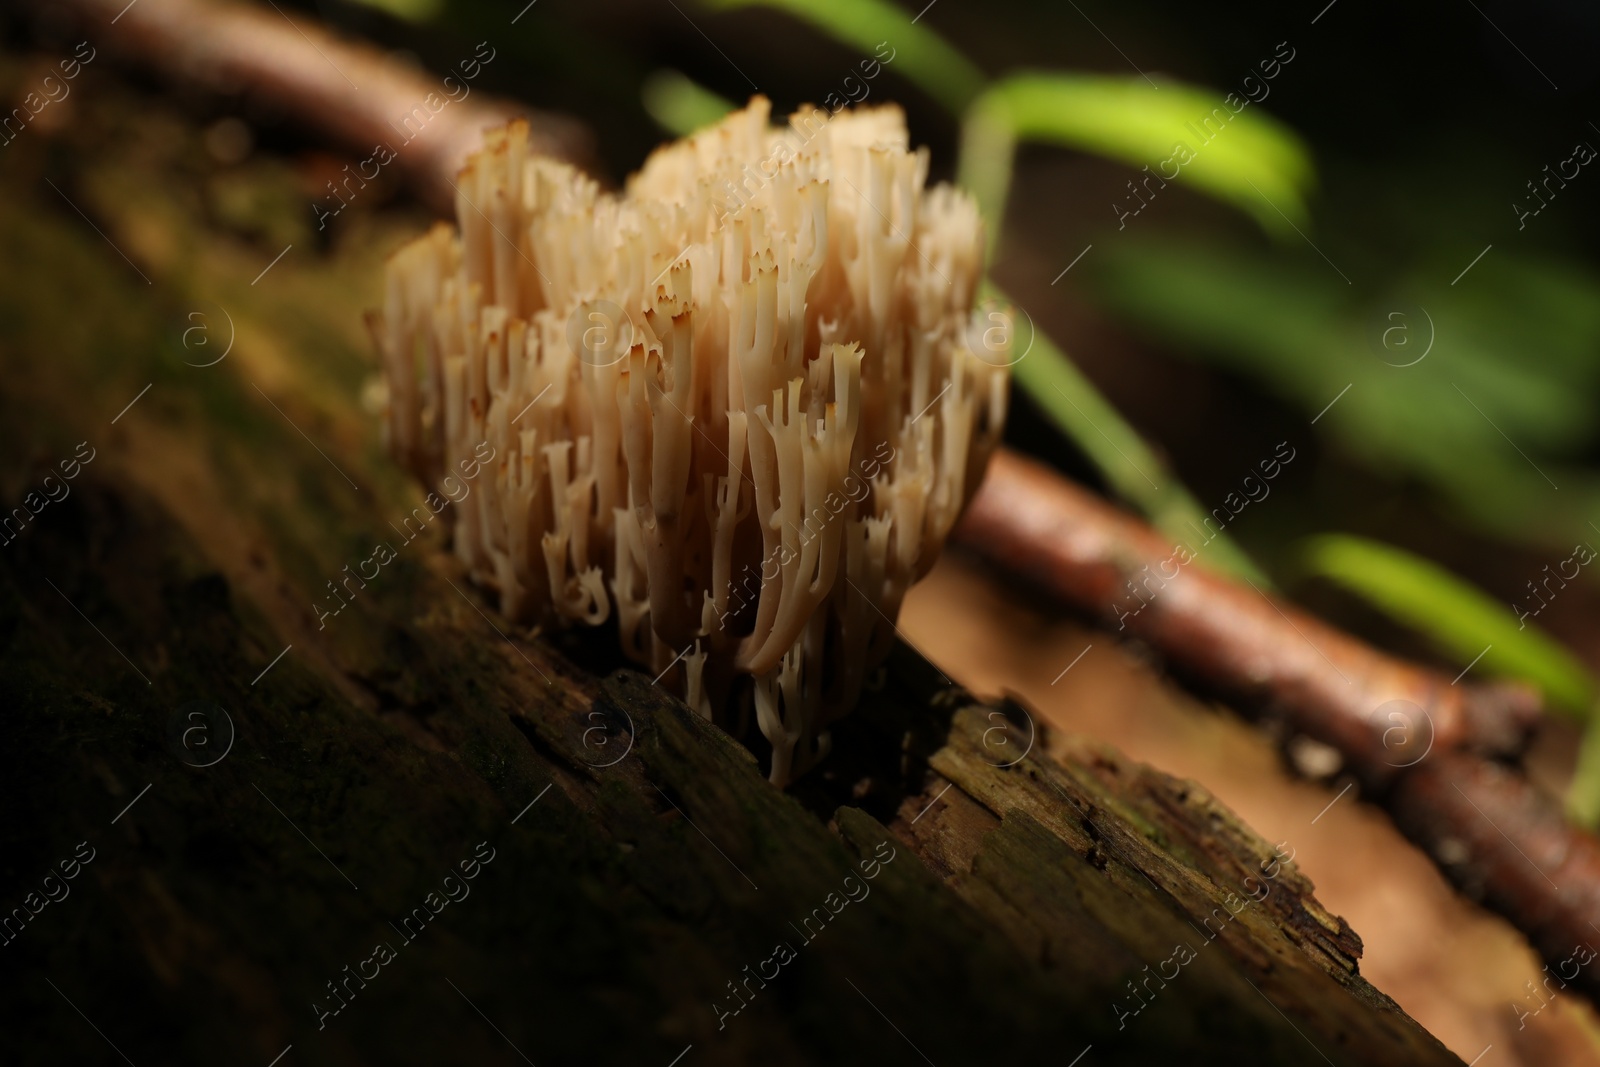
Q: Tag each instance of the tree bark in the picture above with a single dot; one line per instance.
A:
(1009, 910)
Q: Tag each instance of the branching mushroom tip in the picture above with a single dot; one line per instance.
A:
(738, 407)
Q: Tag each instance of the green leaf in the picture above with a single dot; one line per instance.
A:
(1460, 619)
(983, 169)
(1245, 158)
(419, 11)
(681, 106)
(1583, 794)
(920, 54)
(1495, 397)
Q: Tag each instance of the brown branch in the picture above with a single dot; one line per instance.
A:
(1504, 841)
(347, 92)
(1229, 638)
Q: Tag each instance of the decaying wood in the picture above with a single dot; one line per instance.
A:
(634, 872)
(1148, 835)
(628, 901)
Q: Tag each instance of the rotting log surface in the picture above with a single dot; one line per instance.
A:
(640, 861)
(617, 907)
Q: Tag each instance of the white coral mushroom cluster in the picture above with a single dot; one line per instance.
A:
(735, 407)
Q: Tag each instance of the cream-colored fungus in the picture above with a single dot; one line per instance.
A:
(737, 407)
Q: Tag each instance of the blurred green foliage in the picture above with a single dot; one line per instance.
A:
(1252, 161)
(1465, 623)
(1486, 402)
(406, 10)
(1473, 629)
(1129, 465)
(924, 57)
(681, 105)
